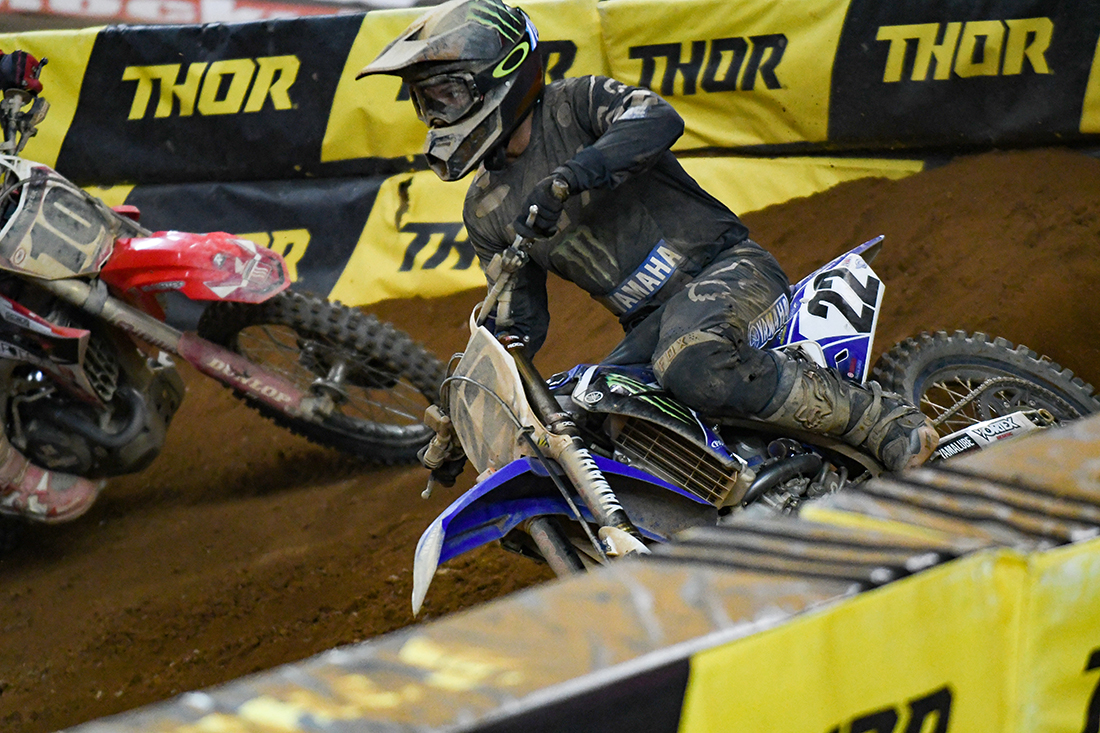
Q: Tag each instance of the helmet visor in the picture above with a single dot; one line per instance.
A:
(444, 99)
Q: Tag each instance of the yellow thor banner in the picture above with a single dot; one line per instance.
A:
(740, 74)
(67, 54)
(371, 118)
(748, 184)
(928, 653)
(1060, 658)
(1090, 108)
(413, 244)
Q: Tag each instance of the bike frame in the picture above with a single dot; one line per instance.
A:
(69, 243)
(834, 312)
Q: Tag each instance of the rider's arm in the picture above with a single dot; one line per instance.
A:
(631, 126)
(530, 312)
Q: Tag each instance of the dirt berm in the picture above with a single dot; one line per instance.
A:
(243, 547)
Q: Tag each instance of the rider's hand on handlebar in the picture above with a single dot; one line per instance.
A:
(549, 203)
(20, 70)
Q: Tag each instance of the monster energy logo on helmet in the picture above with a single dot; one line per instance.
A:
(497, 16)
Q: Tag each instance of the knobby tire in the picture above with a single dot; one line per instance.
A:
(394, 377)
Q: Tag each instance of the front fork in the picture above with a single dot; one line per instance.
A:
(554, 546)
(561, 442)
(567, 448)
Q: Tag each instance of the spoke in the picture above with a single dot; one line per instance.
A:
(952, 415)
(278, 349)
(987, 397)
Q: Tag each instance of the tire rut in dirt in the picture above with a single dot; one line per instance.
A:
(389, 378)
(959, 379)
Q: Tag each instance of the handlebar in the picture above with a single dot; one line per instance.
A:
(513, 258)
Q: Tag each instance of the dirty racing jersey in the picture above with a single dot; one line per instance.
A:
(645, 225)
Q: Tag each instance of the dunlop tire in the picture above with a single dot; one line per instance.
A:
(406, 364)
(912, 366)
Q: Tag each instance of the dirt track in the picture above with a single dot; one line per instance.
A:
(243, 547)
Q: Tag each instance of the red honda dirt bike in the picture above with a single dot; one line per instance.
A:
(87, 382)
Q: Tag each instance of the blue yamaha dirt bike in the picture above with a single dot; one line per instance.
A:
(598, 461)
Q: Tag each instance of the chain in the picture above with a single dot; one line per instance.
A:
(974, 393)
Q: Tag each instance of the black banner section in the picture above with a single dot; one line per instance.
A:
(947, 73)
(648, 701)
(315, 225)
(215, 102)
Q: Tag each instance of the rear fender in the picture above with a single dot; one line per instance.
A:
(211, 266)
(523, 489)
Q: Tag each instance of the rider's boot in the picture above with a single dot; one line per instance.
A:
(40, 495)
(820, 401)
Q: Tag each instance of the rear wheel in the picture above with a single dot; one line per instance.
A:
(380, 379)
(961, 379)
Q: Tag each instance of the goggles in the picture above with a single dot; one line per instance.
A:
(445, 99)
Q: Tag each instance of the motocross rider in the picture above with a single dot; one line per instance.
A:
(26, 490)
(696, 296)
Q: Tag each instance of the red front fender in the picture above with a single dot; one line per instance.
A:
(212, 266)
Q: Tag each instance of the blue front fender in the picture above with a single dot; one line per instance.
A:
(523, 489)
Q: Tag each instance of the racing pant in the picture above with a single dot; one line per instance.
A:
(707, 352)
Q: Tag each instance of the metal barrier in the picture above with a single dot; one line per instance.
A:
(962, 594)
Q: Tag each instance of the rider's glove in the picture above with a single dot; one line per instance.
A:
(549, 204)
(20, 70)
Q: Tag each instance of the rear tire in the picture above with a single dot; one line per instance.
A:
(389, 379)
(960, 379)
